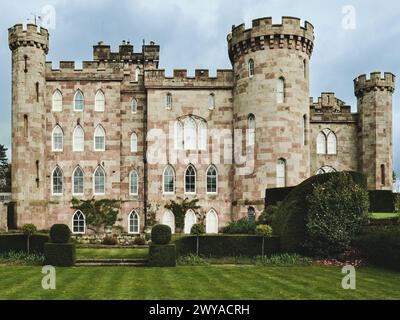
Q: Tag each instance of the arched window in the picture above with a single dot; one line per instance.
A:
(78, 181)
(133, 183)
(251, 214)
(190, 134)
(251, 130)
(57, 101)
(212, 180)
(78, 139)
(58, 139)
(305, 130)
(137, 74)
(281, 173)
(326, 169)
(190, 220)
(99, 139)
(190, 179)
(134, 142)
(169, 180)
(202, 135)
(79, 102)
(326, 142)
(383, 175)
(169, 220)
(133, 223)
(305, 68)
(78, 223)
(212, 222)
(280, 90)
(168, 101)
(134, 106)
(99, 101)
(57, 182)
(332, 143)
(178, 135)
(321, 143)
(99, 181)
(251, 67)
(211, 101)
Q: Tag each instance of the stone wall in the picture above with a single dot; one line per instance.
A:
(3, 217)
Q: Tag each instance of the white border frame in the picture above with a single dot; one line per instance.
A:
(73, 181)
(84, 224)
(94, 139)
(95, 101)
(163, 184)
(216, 214)
(52, 101)
(130, 183)
(53, 149)
(52, 179)
(94, 181)
(83, 96)
(133, 212)
(195, 180)
(217, 177)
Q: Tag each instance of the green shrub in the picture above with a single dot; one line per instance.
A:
(292, 217)
(21, 257)
(139, 241)
(198, 229)
(18, 242)
(162, 255)
(275, 195)
(59, 254)
(338, 208)
(397, 202)
(60, 233)
(242, 226)
(382, 201)
(380, 246)
(29, 229)
(264, 230)
(226, 245)
(109, 241)
(192, 260)
(161, 234)
(284, 260)
(268, 215)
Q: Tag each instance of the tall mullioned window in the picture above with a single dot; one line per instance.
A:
(99, 139)
(168, 101)
(212, 179)
(178, 135)
(133, 183)
(99, 183)
(212, 222)
(281, 173)
(57, 101)
(190, 220)
(133, 223)
(78, 223)
(134, 105)
(251, 130)
(79, 101)
(251, 67)
(190, 179)
(169, 179)
(280, 90)
(57, 139)
(78, 139)
(202, 136)
(57, 182)
(78, 181)
(134, 142)
(99, 101)
(326, 142)
(190, 134)
(211, 101)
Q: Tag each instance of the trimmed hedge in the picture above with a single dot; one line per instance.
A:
(161, 234)
(381, 247)
(18, 242)
(275, 195)
(60, 254)
(291, 218)
(382, 201)
(227, 245)
(384, 222)
(162, 255)
(60, 233)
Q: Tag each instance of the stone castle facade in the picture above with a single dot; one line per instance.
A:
(119, 128)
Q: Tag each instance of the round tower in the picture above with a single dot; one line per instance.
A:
(374, 104)
(29, 47)
(271, 94)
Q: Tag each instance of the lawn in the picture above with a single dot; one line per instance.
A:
(384, 215)
(120, 253)
(198, 283)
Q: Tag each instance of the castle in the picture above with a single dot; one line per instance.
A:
(119, 128)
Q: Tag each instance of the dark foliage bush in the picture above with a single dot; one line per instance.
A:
(268, 215)
(18, 242)
(162, 255)
(385, 222)
(198, 229)
(59, 254)
(380, 246)
(382, 201)
(60, 233)
(227, 245)
(139, 241)
(276, 195)
(109, 241)
(161, 234)
(242, 226)
(292, 215)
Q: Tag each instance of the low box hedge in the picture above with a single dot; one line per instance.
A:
(18, 242)
(275, 195)
(60, 254)
(162, 255)
(382, 201)
(380, 246)
(227, 245)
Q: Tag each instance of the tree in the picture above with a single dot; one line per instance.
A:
(180, 208)
(29, 230)
(151, 216)
(98, 213)
(197, 230)
(5, 172)
(264, 231)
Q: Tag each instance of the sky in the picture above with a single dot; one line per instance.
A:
(352, 38)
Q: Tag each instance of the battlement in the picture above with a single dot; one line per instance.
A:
(180, 79)
(29, 35)
(150, 52)
(288, 34)
(328, 103)
(376, 81)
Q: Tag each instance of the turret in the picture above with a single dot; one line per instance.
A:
(29, 48)
(374, 103)
(271, 68)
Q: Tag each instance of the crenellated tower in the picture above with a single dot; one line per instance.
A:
(271, 93)
(29, 48)
(374, 103)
